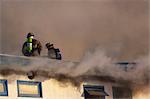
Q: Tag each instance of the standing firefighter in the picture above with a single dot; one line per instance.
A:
(31, 47)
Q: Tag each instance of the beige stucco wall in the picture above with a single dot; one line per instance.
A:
(52, 89)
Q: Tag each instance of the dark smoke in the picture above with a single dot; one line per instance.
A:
(95, 66)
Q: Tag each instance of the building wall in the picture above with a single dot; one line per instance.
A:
(52, 89)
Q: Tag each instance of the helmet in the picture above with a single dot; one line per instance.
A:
(30, 34)
(48, 45)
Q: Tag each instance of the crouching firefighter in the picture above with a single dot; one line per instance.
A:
(31, 47)
(53, 53)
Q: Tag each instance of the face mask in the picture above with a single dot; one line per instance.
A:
(31, 37)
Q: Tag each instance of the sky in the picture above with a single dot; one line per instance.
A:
(120, 27)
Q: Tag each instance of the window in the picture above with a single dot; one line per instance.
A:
(29, 89)
(94, 92)
(122, 93)
(3, 88)
(126, 65)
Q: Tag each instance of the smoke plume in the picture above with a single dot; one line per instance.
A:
(94, 66)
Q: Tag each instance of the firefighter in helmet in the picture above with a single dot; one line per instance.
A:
(31, 47)
(30, 37)
(53, 53)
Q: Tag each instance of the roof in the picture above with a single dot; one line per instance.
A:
(6, 59)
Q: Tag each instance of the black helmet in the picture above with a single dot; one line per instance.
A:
(48, 45)
(30, 34)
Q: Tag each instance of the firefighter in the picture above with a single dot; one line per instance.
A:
(53, 53)
(31, 47)
(49, 46)
(30, 37)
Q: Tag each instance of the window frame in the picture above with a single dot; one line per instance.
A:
(124, 89)
(94, 87)
(39, 84)
(5, 85)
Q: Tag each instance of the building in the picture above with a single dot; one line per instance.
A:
(20, 87)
